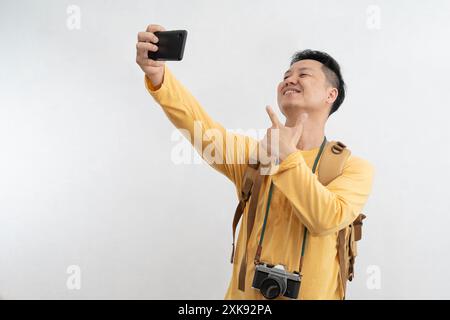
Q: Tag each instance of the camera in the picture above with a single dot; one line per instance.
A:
(274, 281)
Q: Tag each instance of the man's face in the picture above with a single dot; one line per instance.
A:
(312, 90)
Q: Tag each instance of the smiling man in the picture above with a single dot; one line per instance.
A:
(299, 213)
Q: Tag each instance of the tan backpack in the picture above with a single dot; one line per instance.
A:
(331, 165)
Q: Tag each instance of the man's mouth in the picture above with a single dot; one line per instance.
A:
(291, 92)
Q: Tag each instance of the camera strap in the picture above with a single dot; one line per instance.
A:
(259, 249)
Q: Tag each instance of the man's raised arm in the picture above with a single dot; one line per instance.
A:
(225, 151)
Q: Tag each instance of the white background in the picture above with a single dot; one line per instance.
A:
(86, 176)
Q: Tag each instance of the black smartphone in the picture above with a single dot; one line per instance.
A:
(170, 45)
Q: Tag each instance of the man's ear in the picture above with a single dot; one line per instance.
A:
(332, 95)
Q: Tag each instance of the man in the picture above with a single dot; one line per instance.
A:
(311, 89)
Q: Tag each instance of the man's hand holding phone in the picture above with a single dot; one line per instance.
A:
(147, 41)
(157, 45)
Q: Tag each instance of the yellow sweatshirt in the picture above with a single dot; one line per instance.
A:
(298, 200)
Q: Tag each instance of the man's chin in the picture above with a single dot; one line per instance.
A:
(292, 109)
(292, 106)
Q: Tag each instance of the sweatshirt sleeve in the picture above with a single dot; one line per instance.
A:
(225, 151)
(325, 209)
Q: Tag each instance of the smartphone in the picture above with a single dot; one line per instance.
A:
(170, 45)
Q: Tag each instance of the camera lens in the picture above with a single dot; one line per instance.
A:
(270, 288)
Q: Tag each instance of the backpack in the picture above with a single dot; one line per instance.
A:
(331, 165)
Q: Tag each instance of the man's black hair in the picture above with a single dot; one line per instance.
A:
(331, 69)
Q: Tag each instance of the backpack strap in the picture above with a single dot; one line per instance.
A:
(250, 221)
(332, 162)
(346, 246)
(331, 166)
(247, 184)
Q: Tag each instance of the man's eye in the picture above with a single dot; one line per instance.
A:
(301, 75)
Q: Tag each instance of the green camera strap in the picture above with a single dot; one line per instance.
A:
(258, 251)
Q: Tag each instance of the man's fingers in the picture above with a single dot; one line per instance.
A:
(142, 52)
(147, 37)
(143, 47)
(273, 117)
(155, 27)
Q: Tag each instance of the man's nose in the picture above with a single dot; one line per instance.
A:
(289, 81)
